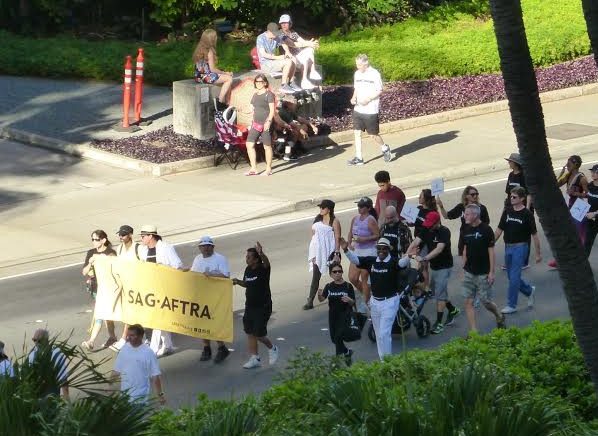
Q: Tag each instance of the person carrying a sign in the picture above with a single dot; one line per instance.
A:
(386, 282)
(341, 298)
(518, 225)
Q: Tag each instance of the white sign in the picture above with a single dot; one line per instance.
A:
(437, 187)
(204, 94)
(410, 212)
(579, 209)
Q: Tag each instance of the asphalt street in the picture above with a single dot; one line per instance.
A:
(55, 299)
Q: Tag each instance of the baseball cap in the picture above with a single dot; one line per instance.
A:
(273, 27)
(365, 201)
(149, 229)
(125, 230)
(432, 218)
(594, 168)
(205, 240)
(327, 204)
(383, 242)
(284, 18)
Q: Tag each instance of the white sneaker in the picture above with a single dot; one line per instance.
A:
(532, 298)
(295, 87)
(306, 84)
(118, 345)
(314, 75)
(273, 355)
(253, 362)
(164, 352)
(508, 309)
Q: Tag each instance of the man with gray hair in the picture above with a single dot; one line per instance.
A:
(367, 84)
(41, 339)
(478, 265)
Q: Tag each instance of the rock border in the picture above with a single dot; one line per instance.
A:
(142, 167)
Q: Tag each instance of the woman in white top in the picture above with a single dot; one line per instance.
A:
(323, 247)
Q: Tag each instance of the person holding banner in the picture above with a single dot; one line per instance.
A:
(158, 251)
(258, 305)
(213, 265)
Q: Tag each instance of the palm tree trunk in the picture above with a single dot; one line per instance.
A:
(528, 123)
(590, 12)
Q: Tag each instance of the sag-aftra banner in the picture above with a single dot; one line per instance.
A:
(164, 298)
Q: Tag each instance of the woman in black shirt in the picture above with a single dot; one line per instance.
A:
(469, 196)
(101, 247)
(592, 215)
(341, 297)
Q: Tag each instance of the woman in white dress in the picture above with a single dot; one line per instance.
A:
(323, 248)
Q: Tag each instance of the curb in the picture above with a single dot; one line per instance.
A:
(85, 151)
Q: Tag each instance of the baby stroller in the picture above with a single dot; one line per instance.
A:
(412, 301)
(229, 140)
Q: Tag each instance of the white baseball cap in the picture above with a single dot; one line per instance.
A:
(285, 18)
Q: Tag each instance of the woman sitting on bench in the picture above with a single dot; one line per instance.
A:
(205, 60)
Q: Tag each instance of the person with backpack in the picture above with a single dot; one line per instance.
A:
(341, 298)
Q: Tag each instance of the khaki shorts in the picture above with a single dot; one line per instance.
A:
(273, 66)
(478, 285)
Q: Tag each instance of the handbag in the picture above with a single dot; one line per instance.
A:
(257, 126)
(91, 286)
(354, 325)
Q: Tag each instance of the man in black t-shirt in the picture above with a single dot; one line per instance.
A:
(437, 239)
(397, 232)
(258, 305)
(478, 263)
(518, 225)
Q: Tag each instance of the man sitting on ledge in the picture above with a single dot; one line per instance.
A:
(300, 50)
(270, 62)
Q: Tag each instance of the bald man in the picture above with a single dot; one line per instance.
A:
(41, 339)
(397, 232)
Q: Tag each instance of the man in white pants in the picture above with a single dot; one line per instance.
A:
(158, 251)
(384, 302)
(367, 84)
(300, 50)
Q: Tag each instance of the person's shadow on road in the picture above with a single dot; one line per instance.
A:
(420, 144)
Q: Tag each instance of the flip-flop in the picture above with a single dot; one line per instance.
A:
(87, 345)
(251, 173)
(266, 173)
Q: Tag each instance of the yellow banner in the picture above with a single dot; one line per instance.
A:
(160, 297)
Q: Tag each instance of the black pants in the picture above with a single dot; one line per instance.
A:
(337, 321)
(315, 283)
(591, 233)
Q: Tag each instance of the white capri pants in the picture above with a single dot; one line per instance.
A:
(305, 55)
(384, 313)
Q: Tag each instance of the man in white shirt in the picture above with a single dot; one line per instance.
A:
(41, 339)
(129, 250)
(367, 84)
(137, 367)
(158, 251)
(213, 265)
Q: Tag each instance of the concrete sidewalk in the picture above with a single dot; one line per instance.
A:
(50, 203)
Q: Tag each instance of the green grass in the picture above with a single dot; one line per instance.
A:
(445, 42)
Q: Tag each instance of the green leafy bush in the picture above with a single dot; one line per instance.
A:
(528, 381)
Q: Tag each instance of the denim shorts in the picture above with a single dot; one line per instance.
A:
(478, 285)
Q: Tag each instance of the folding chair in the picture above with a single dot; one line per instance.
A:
(229, 141)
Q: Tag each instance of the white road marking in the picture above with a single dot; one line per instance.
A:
(280, 339)
(265, 226)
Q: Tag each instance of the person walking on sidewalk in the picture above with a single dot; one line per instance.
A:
(368, 88)
(385, 278)
(323, 247)
(437, 239)
(479, 266)
(101, 247)
(137, 368)
(469, 196)
(362, 238)
(518, 225)
(263, 114)
(126, 250)
(213, 265)
(341, 298)
(592, 214)
(388, 194)
(258, 305)
(158, 251)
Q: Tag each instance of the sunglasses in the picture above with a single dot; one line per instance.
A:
(259, 81)
(337, 271)
(515, 196)
(96, 239)
(474, 194)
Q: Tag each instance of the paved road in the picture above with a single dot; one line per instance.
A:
(55, 299)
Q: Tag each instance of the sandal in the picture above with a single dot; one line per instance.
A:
(87, 345)
(109, 342)
(266, 173)
(251, 173)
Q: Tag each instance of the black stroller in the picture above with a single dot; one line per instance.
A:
(412, 301)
